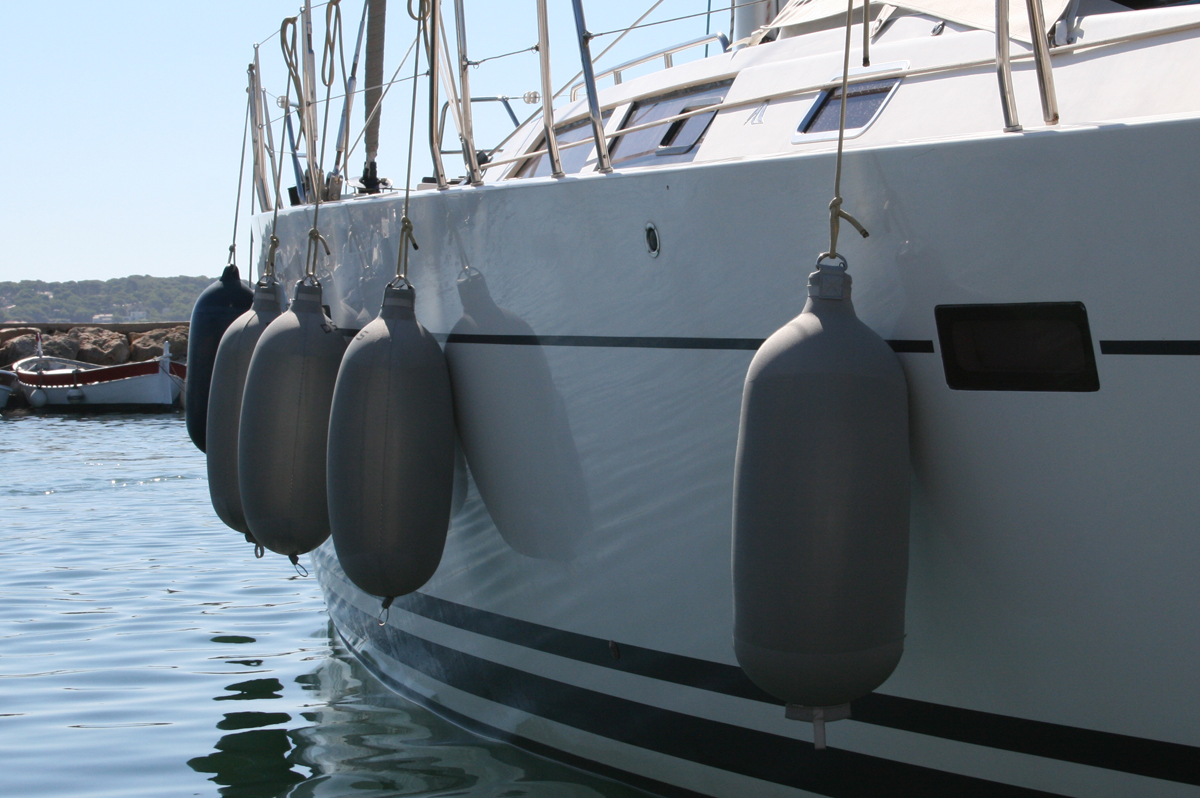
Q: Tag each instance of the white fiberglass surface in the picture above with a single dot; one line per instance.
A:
(1051, 550)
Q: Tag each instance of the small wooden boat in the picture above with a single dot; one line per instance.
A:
(8, 384)
(59, 382)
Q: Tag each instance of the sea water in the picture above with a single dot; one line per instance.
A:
(144, 651)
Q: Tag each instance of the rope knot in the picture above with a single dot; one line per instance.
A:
(406, 238)
(315, 237)
(269, 266)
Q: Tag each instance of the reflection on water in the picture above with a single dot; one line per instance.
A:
(251, 764)
(354, 737)
(147, 653)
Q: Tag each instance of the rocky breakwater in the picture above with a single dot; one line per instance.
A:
(103, 345)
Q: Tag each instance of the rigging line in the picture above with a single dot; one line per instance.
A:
(275, 33)
(333, 31)
(268, 275)
(635, 26)
(386, 87)
(406, 226)
(356, 92)
(237, 207)
(577, 75)
(506, 55)
(603, 53)
(836, 214)
(314, 235)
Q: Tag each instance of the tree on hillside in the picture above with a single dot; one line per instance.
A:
(160, 298)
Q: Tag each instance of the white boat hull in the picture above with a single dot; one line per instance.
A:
(134, 385)
(1052, 599)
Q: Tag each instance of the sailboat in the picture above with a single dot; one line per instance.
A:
(601, 283)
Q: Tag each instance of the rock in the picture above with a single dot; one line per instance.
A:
(102, 347)
(14, 332)
(147, 346)
(17, 348)
(60, 345)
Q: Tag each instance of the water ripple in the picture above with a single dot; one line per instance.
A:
(147, 653)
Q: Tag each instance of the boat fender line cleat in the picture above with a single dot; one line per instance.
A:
(390, 471)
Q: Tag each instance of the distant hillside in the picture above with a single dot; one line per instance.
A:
(136, 298)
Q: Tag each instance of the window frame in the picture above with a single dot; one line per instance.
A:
(695, 93)
(858, 75)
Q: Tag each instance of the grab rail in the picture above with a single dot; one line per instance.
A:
(667, 55)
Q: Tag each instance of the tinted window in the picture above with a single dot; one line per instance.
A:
(670, 142)
(1043, 346)
(865, 100)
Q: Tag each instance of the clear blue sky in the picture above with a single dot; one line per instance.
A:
(124, 121)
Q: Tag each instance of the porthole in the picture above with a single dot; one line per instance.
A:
(653, 243)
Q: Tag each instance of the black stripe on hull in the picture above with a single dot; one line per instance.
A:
(1150, 347)
(524, 743)
(747, 752)
(643, 342)
(902, 346)
(1134, 755)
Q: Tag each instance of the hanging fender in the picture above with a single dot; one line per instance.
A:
(821, 506)
(225, 403)
(284, 426)
(391, 464)
(215, 309)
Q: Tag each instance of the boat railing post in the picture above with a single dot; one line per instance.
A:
(433, 45)
(261, 186)
(1041, 59)
(1008, 103)
(474, 175)
(547, 89)
(268, 136)
(589, 79)
(308, 104)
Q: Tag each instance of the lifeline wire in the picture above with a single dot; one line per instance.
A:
(635, 26)
(237, 207)
(505, 55)
(577, 75)
(836, 214)
(386, 87)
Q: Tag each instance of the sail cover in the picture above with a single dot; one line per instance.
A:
(980, 14)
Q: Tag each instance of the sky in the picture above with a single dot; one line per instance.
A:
(125, 122)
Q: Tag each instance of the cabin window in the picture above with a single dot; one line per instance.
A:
(1039, 346)
(573, 159)
(672, 141)
(864, 101)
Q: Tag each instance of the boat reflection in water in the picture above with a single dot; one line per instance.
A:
(359, 738)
